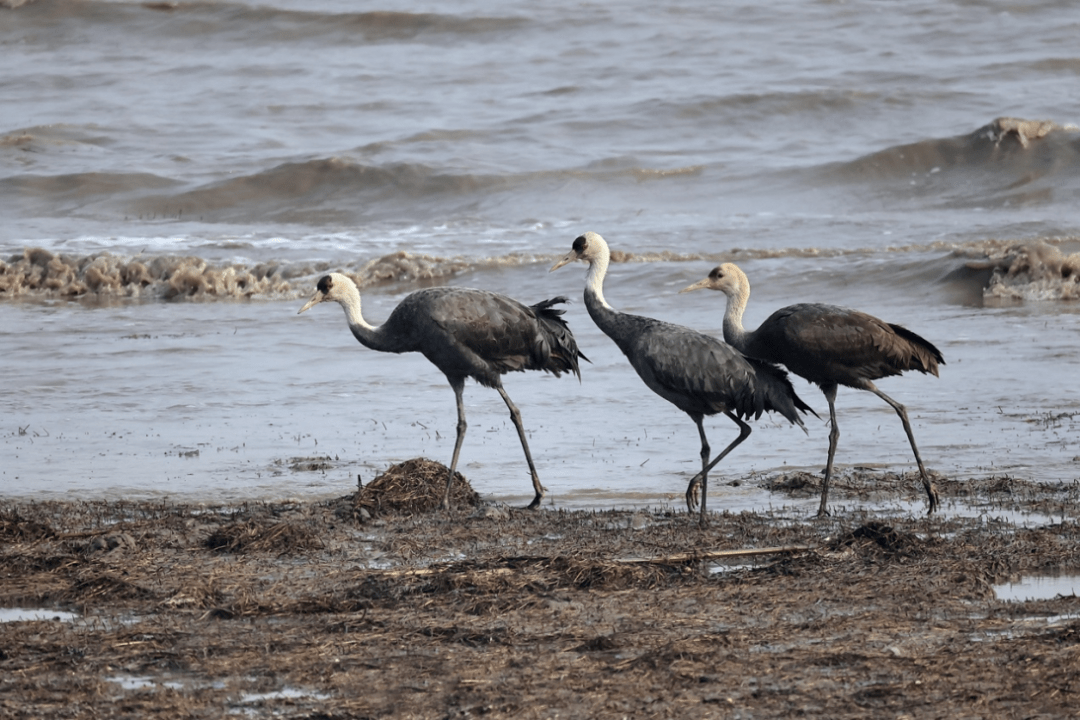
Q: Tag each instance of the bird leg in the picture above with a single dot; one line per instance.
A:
(744, 432)
(515, 415)
(834, 436)
(931, 491)
(699, 481)
(459, 387)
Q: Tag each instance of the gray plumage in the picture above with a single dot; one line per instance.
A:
(466, 333)
(698, 373)
(830, 346)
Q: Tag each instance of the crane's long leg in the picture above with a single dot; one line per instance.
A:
(834, 436)
(459, 387)
(931, 491)
(702, 478)
(744, 432)
(515, 415)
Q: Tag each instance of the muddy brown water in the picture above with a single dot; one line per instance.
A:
(329, 610)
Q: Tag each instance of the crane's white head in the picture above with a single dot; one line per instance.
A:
(588, 248)
(336, 287)
(726, 278)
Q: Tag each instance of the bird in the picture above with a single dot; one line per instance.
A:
(697, 373)
(466, 333)
(829, 346)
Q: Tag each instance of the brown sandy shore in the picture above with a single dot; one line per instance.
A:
(375, 606)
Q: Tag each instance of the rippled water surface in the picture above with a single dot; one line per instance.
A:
(174, 178)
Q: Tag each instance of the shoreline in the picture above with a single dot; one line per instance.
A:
(312, 609)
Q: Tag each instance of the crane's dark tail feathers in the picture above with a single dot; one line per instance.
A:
(563, 353)
(924, 357)
(779, 395)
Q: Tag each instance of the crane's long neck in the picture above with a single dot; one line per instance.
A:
(368, 334)
(734, 332)
(599, 310)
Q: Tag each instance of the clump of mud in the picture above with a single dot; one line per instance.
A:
(413, 487)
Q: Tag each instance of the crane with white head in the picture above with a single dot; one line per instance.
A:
(829, 346)
(697, 373)
(466, 333)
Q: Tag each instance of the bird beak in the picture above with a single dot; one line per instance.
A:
(699, 285)
(317, 298)
(570, 257)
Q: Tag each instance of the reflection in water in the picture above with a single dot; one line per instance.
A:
(34, 615)
(1039, 587)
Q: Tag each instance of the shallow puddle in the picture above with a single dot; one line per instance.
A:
(34, 614)
(287, 693)
(1004, 517)
(1039, 588)
(144, 682)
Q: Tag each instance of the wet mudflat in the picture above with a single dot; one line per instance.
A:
(363, 608)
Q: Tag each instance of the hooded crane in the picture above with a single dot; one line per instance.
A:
(697, 373)
(466, 333)
(829, 346)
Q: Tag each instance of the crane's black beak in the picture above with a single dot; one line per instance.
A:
(699, 285)
(570, 257)
(317, 298)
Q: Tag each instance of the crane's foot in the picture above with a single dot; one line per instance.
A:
(932, 500)
(693, 492)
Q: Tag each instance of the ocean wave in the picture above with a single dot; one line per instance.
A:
(39, 273)
(50, 194)
(760, 107)
(1029, 271)
(318, 191)
(268, 24)
(1009, 162)
(990, 269)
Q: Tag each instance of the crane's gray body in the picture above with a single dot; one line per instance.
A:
(466, 333)
(831, 345)
(697, 373)
(479, 334)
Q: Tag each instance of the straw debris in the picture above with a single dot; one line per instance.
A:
(414, 487)
(290, 610)
(15, 528)
(258, 536)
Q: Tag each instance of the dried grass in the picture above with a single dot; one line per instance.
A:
(414, 487)
(524, 613)
(259, 536)
(15, 528)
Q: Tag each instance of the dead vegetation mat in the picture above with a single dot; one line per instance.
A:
(302, 610)
(412, 487)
